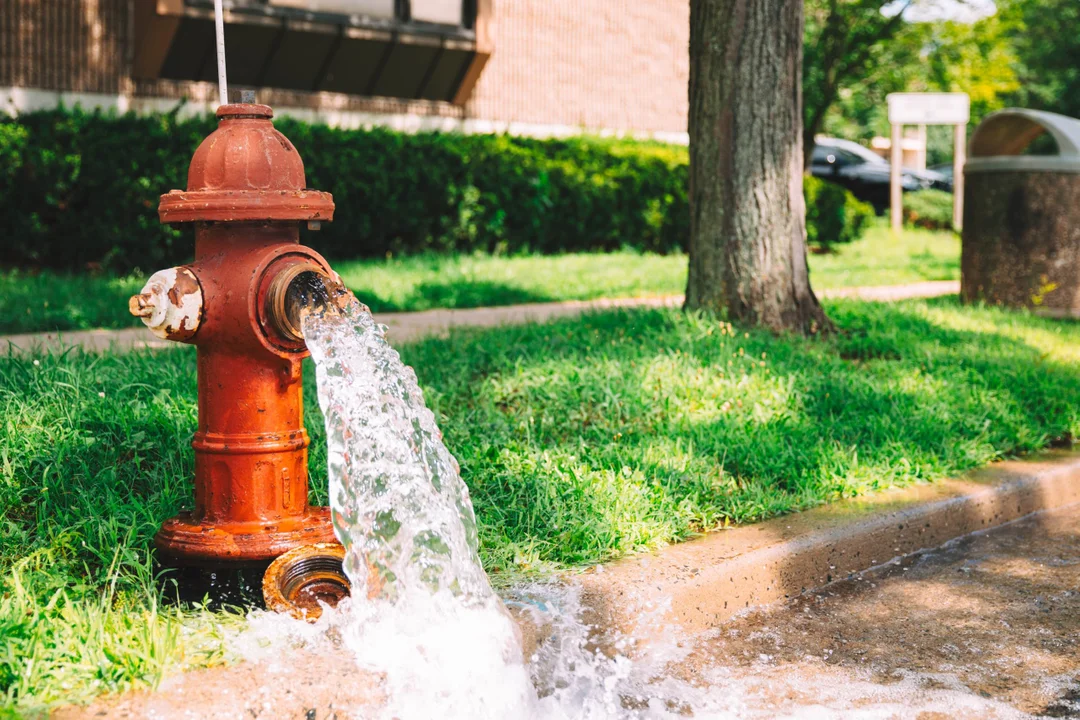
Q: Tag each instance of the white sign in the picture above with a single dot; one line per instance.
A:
(444, 12)
(371, 8)
(929, 108)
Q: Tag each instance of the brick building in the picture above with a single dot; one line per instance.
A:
(536, 67)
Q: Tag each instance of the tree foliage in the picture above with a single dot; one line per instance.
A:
(859, 51)
(1045, 37)
(976, 58)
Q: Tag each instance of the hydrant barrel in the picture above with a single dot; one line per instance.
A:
(246, 196)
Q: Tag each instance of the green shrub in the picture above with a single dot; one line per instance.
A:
(79, 189)
(833, 215)
(931, 209)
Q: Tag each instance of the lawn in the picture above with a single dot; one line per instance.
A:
(581, 441)
(47, 301)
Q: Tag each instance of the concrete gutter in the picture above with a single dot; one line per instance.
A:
(406, 327)
(701, 583)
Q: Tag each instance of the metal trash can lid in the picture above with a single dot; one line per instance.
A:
(998, 144)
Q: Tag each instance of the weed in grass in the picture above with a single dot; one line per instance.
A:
(580, 440)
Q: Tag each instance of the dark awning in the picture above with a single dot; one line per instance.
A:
(414, 49)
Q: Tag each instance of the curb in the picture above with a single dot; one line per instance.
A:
(701, 583)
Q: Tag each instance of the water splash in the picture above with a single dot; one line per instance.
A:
(423, 611)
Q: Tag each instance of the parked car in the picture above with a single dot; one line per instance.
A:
(946, 170)
(865, 173)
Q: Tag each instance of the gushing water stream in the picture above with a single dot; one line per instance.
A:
(423, 611)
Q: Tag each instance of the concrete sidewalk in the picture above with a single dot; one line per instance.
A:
(404, 327)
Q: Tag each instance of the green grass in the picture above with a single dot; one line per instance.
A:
(881, 258)
(47, 301)
(581, 441)
(44, 301)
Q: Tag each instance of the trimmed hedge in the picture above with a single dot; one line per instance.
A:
(81, 189)
(833, 215)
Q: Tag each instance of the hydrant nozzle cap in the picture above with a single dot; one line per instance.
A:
(171, 304)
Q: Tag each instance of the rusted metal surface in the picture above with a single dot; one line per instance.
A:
(171, 304)
(251, 476)
(299, 582)
(246, 171)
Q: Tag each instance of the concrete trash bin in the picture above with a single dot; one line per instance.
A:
(1021, 240)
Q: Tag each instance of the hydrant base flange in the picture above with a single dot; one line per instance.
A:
(182, 540)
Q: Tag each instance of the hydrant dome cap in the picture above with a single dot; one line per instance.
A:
(246, 170)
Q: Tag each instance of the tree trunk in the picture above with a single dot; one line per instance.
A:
(747, 214)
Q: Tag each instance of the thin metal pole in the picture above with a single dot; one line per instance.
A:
(219, 31)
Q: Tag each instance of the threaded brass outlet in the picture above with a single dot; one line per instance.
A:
(298, 581)
(293, 288)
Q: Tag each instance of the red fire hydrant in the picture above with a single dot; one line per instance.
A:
(246, 195)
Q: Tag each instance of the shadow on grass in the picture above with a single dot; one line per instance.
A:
(583, 439)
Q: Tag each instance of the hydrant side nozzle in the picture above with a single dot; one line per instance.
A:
(299, 285)
(170, 304)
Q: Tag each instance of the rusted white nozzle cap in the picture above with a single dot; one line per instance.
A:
(171, 304)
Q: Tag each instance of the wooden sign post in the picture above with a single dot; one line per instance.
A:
(927, 109)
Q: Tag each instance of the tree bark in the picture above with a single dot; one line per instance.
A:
(747, 214)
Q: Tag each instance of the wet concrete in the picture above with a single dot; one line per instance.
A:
(303, 685)
(986, 626)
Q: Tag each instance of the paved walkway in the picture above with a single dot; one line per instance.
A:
(411, 326)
